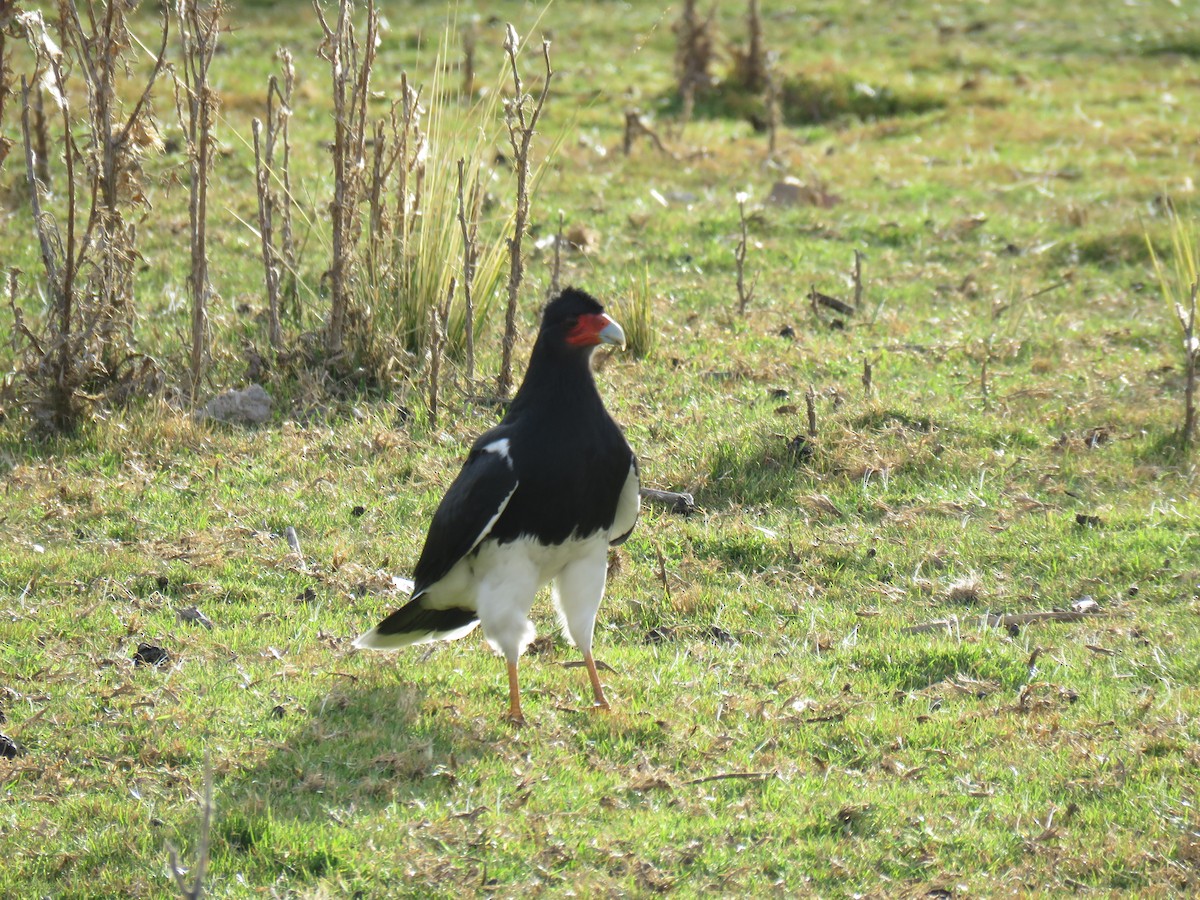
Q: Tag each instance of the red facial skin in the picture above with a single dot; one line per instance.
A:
(586, 332)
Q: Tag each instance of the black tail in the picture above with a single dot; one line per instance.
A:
(415, 623)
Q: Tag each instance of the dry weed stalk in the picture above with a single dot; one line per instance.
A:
(273, 188)
(1191, 349)
(41, 139)
(350, 64)
(1185, 312)
(279, 117)
(556, 267)
(199, 28)
(774, 105)
(89, 258)
(266, 235)
(437, 343)
(470, 38)
(745, 295)
(1179, 289)
(195, 890)
(693, 54)
(7, 23)
(868, 377)
(858, 281)
(751, 64)
(470, 234)
(810, 407)
(412, 147)
(521, 114)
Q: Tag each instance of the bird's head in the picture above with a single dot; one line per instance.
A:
(575, 319)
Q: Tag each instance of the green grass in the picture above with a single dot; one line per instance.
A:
(774, 728)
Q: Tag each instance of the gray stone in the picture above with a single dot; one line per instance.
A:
(249, 407)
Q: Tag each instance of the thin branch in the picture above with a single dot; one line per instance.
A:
(729, 776)
(195, 890)
(991, 620)
(521, 128)
(745, 295)
(468, 272)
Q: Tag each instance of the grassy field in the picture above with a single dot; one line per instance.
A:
(775, 729)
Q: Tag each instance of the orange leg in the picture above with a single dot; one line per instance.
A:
(601, 703)
(514, 697)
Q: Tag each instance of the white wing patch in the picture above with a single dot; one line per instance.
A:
(500, 448)
(487, 529)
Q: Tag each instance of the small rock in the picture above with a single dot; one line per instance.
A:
(249, 407)
(1085, 604)
(150, 655)
(358, 511)
(787, 331)
(792, 191)
(278, 712)
(659, 635)
(1088, 521)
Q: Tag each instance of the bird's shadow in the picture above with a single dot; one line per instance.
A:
(357, 747)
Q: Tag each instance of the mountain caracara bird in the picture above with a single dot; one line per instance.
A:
(541, 497)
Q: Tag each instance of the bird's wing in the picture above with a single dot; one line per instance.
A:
(628, 505)
(466, 515)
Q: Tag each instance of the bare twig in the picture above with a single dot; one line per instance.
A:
(693, 54)
(273, 189)
(810, 404)
(745, 295)
(991, 620)
(266, 234)
(351, 88)
(437, 341)
(470, 35)
(198, 30)
(279, 117)
(469, 233)
(774, 105)
(819, 299)
(293, 542)
(195, 890)
(521, 114)
(556, 270)
(729, 776)
(41, 140)
(1191, 349)
(858, 282)
(753, 68)
(6, 80)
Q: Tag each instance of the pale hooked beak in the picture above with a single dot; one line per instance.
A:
(612, 333)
